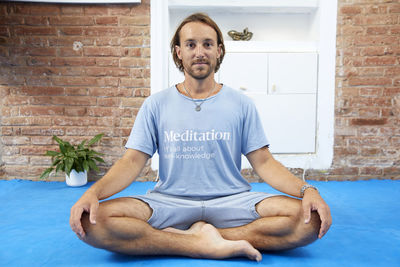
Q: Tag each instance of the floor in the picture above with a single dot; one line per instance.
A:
(34, 229)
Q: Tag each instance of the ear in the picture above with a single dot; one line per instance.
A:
(219, 50)
(178, 51)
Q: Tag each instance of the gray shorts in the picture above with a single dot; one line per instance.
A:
(222, 212)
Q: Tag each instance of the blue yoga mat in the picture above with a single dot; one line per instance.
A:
(34, 229)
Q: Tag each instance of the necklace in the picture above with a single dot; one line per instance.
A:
(198, 106)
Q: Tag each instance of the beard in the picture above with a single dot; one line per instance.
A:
(199, 72)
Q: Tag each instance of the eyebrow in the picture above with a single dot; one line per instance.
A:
(193, 40)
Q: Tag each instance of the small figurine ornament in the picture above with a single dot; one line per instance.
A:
(240, 36)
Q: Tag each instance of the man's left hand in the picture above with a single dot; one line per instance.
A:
(312, 201)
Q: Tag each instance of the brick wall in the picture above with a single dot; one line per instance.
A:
(77, 70)
(367, 104)
(73, 71)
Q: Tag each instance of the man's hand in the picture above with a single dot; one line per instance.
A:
(312, 201)
(89, 203)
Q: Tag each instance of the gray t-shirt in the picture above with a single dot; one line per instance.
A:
(200, 151)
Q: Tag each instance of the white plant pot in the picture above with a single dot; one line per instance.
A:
(76, 178)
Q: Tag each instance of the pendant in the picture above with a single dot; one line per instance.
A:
(198, 108)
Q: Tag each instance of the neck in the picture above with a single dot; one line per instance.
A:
(199, 88)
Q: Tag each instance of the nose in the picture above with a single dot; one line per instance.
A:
(199, 52)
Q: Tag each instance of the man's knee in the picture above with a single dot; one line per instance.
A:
(306, 233)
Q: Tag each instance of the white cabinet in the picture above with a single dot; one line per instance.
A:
(292, 73)
(283, 87)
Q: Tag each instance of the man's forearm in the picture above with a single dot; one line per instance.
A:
(120, 175)
(280, 178)
(274, 173)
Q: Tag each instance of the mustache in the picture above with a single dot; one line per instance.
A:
(201, 62)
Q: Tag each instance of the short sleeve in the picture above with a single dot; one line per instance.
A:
(143, 136)
(253, 136)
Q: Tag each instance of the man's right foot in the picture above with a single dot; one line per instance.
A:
(213, 245)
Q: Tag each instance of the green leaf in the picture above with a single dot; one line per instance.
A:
(95, 139)
(93, 165)
(68, 165)
(52, 153)
(46, 173)
(86, 165)
(60, 167)
(99, 159)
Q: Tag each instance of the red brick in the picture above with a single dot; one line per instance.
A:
(134, 62)
(96, 10)
(72, 10)
(27, 30)
(43, 9)
(372, 40)
(371, 171)
(15, 140)
(33, 150)
(107, 62)
(120, 10)
(68, 20)
(74, 100)
(394, 8)
(10, 150)
(38, 111)
(15, 100)
(139, 20)
(41, 140)
(102, 51)
(107, 31)
(71, 30)
(108, 41)
(379, 61)
(377, 30)
(73, 121)
(15, 160)
(394, 30)
(115, 72)
(369, 121)
(69, 52)
(75, 111)
(381, 19)
(36, 20)
(107, 20)
(376, 9)
(11, 20)
(73, 62)
(371, 151)
(350, 10)
(103, 111)
(369, 81)
(130, 82)
(122, 92)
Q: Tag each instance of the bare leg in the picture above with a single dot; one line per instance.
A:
(281, 226)
(121, 227)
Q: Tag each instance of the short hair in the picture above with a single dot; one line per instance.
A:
(203, 18)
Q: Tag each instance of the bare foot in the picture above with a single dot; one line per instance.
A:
(193, 229)
(212, 245)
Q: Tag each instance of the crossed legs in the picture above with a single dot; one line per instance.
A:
(122, 227)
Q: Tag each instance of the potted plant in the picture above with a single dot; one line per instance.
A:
(74, 161)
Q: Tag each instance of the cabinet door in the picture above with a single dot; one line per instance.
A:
(292, 73)
(245, 71)
(288, 114)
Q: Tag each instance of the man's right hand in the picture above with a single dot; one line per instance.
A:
(87, 203)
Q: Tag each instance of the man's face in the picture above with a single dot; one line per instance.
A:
(198, 49)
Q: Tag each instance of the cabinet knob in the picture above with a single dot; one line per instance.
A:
(273, 88)
(242, 88)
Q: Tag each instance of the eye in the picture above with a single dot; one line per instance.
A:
(207, 45)
(191, 45)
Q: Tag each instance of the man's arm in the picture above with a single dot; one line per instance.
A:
(280, 178)
(120, 176)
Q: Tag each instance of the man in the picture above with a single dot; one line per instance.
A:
(201, 207)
